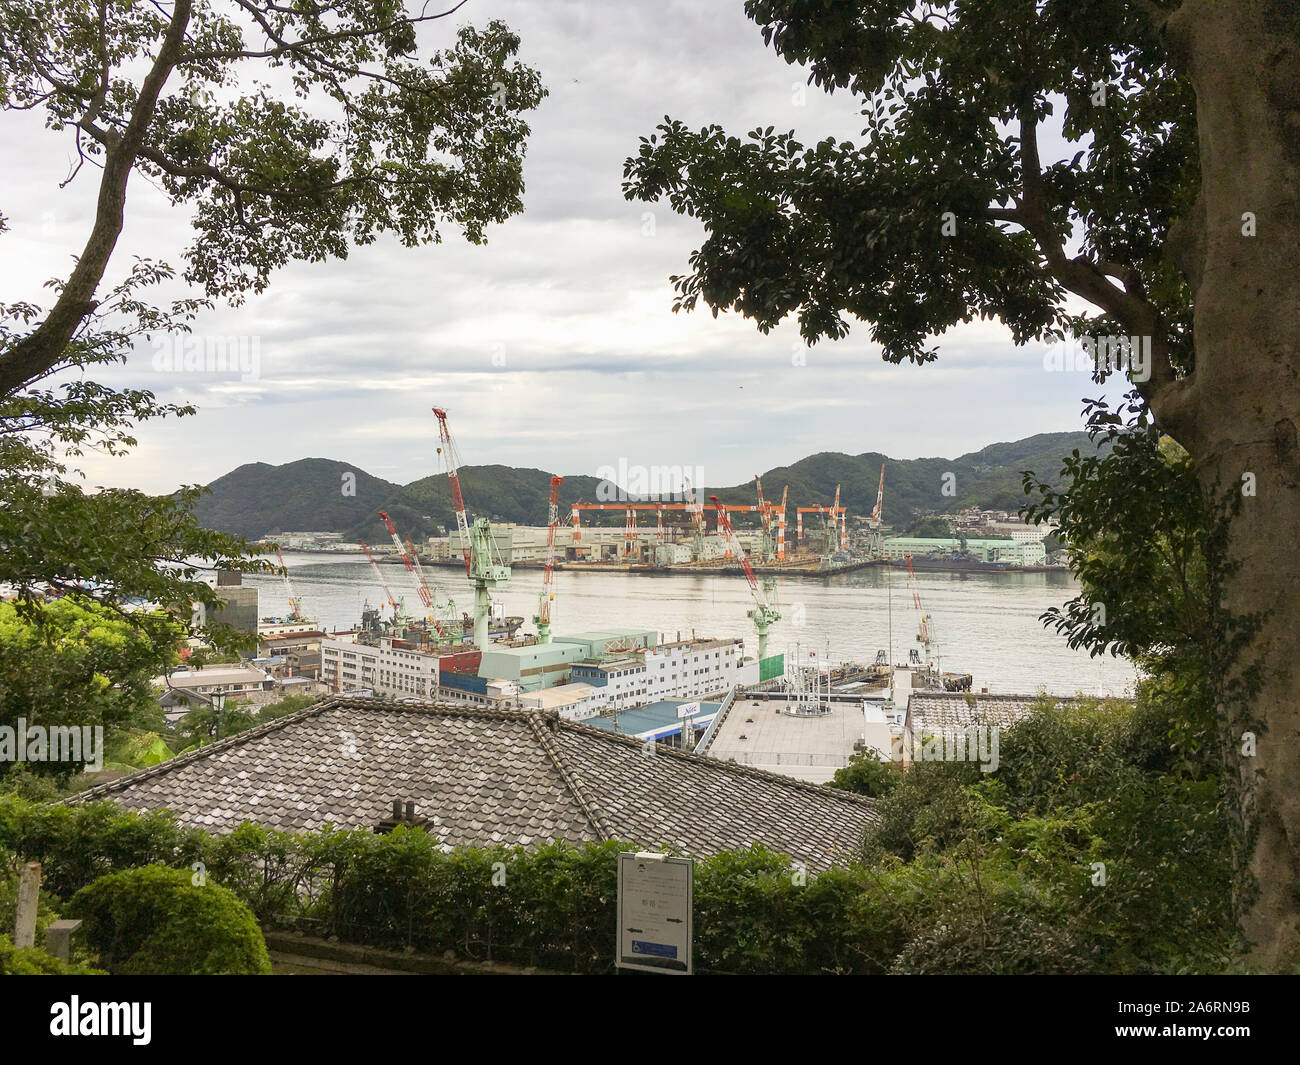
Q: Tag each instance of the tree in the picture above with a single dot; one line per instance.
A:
(80, 664)
(1135, 528)
(362, 137)
(159, 921)
(392, 144)
(1176, 221)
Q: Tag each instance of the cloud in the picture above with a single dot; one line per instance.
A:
(554, 345)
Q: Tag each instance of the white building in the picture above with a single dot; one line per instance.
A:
(572, 701)
(1020, 531)
(398, 672)
(686, 669)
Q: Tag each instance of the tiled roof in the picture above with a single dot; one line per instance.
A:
(948, 710)
(484, 776)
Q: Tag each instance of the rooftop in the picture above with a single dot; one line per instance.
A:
(653, 718)
(484, 776)
(216, 674)
(755, 733)
(947, 710)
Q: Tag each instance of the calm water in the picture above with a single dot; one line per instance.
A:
(982, 623)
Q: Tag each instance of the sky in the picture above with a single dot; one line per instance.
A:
(553, 346)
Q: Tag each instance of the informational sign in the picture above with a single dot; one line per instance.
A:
(655, 903)
(688, 709)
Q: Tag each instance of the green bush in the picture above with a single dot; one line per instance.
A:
(1095, 847)
(157, 921)
(32, 961)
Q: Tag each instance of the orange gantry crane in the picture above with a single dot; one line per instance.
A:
(835, 513)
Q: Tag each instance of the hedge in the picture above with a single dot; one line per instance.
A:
(551, 905)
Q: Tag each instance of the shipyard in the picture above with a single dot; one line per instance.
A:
(800, 711)
(723, 488)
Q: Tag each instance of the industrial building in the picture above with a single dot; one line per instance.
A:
(1011, 552)
(527, 543)
(238, 607)
(660, 722)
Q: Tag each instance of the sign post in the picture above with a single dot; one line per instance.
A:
(655, 906)
(687, 712)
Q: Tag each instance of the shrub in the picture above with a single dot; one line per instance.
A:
(32, 961)
(156, 921)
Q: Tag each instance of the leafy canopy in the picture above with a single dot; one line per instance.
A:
(954, 98)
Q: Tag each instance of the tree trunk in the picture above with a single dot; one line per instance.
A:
(46, 346)
(1244, 62)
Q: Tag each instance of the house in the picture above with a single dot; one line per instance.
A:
(482, 776)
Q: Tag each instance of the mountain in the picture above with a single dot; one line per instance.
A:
(260, 500)
(988, 478)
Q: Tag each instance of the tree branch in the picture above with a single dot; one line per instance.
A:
(43, 347)
(1168, 396)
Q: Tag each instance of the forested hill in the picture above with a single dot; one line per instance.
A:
(312, 494)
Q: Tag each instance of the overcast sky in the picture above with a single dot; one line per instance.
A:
(571, 296)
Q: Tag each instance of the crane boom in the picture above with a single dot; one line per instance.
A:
(426, 589)
(923, 636)
(880, 496)
(294, 611)
(544, 600)
(764, 614)
(724, 523)
(452, 460)
(380, 578)
(421, 588)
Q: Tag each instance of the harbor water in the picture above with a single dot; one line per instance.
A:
(986, 624)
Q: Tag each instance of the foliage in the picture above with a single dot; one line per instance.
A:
(929, 527)
(945, 212)
(375, 139)
(867, 775)
(158, 921)
(199, 726)
(1136, 530)
(965, 871)
(77, 662)
(33, 961)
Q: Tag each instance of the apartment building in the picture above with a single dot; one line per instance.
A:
(389, 668)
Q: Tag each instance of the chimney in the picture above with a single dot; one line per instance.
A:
(401, 816)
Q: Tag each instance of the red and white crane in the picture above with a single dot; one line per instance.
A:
(380, 578)
(923, 635)
(764, 613)
(452, 460)
(880, 499)
(421, 588)
(543, 618)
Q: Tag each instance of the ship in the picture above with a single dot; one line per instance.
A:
(955, 562)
